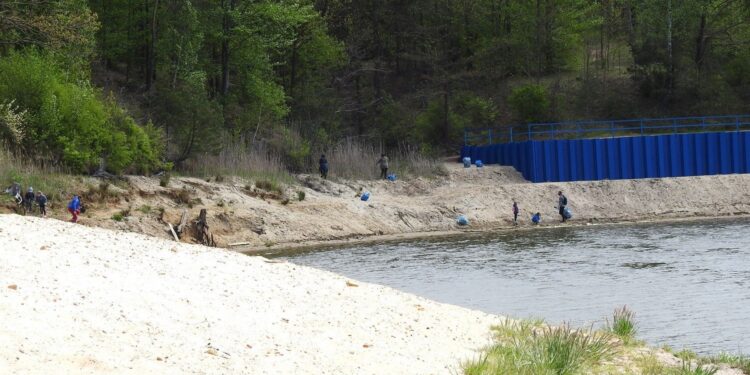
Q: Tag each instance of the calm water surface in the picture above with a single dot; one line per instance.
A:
(688, 283)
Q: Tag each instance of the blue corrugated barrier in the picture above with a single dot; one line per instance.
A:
(647, 156)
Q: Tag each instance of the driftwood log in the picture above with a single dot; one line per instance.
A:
(203, 235)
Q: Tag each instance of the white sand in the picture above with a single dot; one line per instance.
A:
(89, 300)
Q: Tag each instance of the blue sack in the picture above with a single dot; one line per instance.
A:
(479, 164)
(567, 213)
(467, 162)
(462, 220)
(365, 196)
(391, 177)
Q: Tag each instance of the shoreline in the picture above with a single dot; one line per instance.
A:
(293, 248)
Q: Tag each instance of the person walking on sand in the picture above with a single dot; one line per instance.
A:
(74, 207)
(323, 167)
(383, 164)
(41, 200)
(562, 201)
(515, 213)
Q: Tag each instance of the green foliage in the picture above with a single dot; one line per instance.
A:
(623, 325)
(524, 348)
(67, 121)
(439, 125)
(530, 103)
(300, 196)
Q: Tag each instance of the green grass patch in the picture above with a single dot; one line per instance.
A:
(623, 325)
(738, 361)
(526, 348)
(269, 185)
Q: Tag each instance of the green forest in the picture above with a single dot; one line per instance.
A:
(138, 86)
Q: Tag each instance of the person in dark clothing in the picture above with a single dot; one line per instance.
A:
(515, 213)
(323, 167)
(383, 164)
(28, 200)
(562, 201)
(41, 200)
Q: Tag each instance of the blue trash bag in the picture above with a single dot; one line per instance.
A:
(567, 213)
(391, 177)
(536, 219)
(365, 196)
(462, 220)
(479, 164)
(467, 162)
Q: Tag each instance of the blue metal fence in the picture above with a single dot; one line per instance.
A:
(605, 128)
(669, 155)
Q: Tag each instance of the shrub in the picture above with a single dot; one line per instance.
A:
(529, 103)
(117, 217)
(67, 121)
(164, 179)
(300, 196)
(270, 186)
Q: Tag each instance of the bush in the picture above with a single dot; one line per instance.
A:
(270, 186)
(300, 196)
(67, 121)
(529, 103)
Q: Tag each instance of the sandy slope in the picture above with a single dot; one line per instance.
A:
(332, 212)
(85, 300)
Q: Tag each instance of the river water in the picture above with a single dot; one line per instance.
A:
(689, 283)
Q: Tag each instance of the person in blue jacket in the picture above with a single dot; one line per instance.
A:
(74, 207)
(537, 218)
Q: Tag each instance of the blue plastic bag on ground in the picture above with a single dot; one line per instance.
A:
(479, 164)
(567, 213)
(365, 196)
(462, 220)
(391, 177)
(467, 162)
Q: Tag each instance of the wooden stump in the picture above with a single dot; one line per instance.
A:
(201, 230)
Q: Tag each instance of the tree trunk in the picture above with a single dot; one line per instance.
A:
(700, 43)
(228, 7)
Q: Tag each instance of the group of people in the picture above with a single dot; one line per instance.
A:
(29, 199)
(562, 204)
(382, 163)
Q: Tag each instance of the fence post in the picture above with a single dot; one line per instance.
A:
(737, 123)
(511, 134)
(674, 126)
(612, 129)
(703, 123)
(641, 127)
(489, 134)
(528, 127)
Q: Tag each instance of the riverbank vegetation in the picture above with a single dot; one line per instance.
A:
(136, 87)
(531, 347)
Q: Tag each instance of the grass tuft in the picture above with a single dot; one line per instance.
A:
(300, 196)
(623, 325)
(525, 348)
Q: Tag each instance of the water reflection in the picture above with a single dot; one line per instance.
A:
(688, 283)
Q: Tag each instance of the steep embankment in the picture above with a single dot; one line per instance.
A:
(330, 210)
(240, 213)
(85, 300)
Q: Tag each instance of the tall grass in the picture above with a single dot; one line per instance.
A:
(524, 348)
(50, 180)
(623, 325)
(256, 163)
(350, 159)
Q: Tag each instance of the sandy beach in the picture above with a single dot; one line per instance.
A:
(86, 300)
